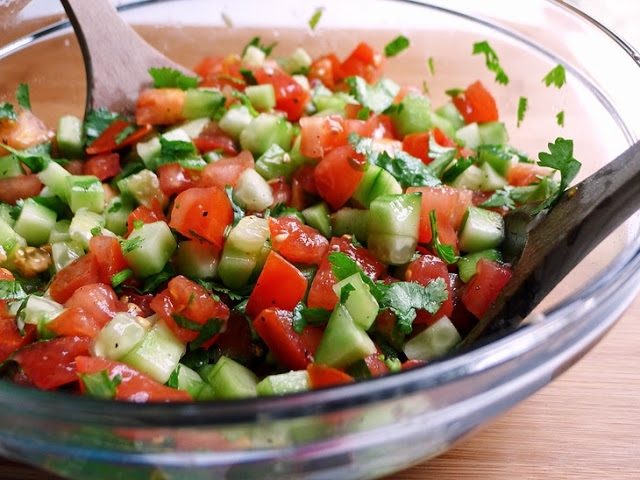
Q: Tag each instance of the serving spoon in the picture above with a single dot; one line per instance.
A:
(542, 248)
(116, 58)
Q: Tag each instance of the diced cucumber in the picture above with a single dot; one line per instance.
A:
(65, 252)
(190, 381)
(9, 240)
(85, 191)
(449, 111)
(252, 192)
(266, 130)
(499, 158)
(318, 216)
(491, 180)
(262, 97)
(235, 120)
(375, 182)
(60, 231)
(434, 342)
(10, 166)
(351, 221)
(343, 341)
(157, 354)
(493, 133)
(144, 188)
(253, 56)
(118, 337)
(471, 178)
(150, 149)
(230, 379)
(243, 251)
(394, 222)
(116, 214)
(467, 263)
(412, 114)
(277, 162)
(84, 225)
(197, 260)
(70, 136)
(152, 245)
(469, 135)
(39, 311)
(482, 229)
(54, 176)
(360, 303)
(202, 102)
(297, 62)
(35, 222)
(284, 383)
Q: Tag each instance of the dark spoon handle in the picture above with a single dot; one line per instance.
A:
(584, 216)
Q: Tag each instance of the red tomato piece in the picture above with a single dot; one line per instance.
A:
(145, 215)
(338, 175)
(202, 214)
(221, 72)
(109, 140)
(280, 285)
(212, 138)
(376, 365)
(324, 70)
(83, 271)
(291, 349)
(28, 131)
(485, 286)
(74, 321)
(476, 104)
(424, 270)
(11, 338)
(160, 106)
(291, 97)
(320, 135)
(51, 363)
(175, 178)
(103, 165)
(522, 174)
(281, 190)
(109, 255)
(321, 292)
(236, 341)
(364, 62)
(134, 386)
(412, 364)
(295, 241)
(417, 145)
(226, 171)
(21, 187)
(321, 376)
(97, 300)
(187, 299)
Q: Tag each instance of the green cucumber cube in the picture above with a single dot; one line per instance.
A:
(467, 263)
(197, 260)
(283, 383)
(54, 176)
(202, 102)
(433, 342)
(85, 191)
(361, 304)
(149, 248)
(252, 192)
(266, 130)
(318, 216)
(10, 166)
(70, 136)
(262, 97)
(118, 337)
(230, 379)
(351, 221)
(375, 182)
(412, 114)
(482, 229)
(235, 120)
(35, 222)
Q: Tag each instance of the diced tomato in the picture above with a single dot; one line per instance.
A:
(364, 62)
(145, 215)
(83, 271)
(133, 386)
(202, 214)
(376, 365)
(338, 175)
(485, 286)
(74, 321)
(295, 241)
(21, 187)
(321, 294)
(160, 106)
(137, 303)
(291, 349)
(424, 270)
(97, 300)
(11, 338)
(476, 104)
(450, 204)
(184, 298)
(321, 376)
(522, 174)
(319, 135)
(109, 255)
(291, 97)
(212, 138)
(221, 72)
(109, 140)
(413, 363)
(175, 178)
(442, 138)
(303, 187)
(28, 131)
(281, 191)
(380, 126)
(103, 165)
(280, 285)
(226, 171)
(417, 145)
(324, 69)
(51, 363)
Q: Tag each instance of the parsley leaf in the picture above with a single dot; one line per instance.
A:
(22, 95)
(315, 18)
(36, 157)
(173, 381)
(522, 108)
(166, 77)
(11, 290)
(303, 316)
(560, 157)
(395, 46)
(8, 112)
(560, 118)
(431, 65)
(376, 97)
(128, 245)
(97, 121)
(445, 252)
(255, 42)
(248, 76)
(100, 385)
(210, 329)
(491, 60)
(238, 211)
(556, 77)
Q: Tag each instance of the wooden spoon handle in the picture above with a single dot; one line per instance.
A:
(117, 59)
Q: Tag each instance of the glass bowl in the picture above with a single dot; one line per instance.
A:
(383, 425)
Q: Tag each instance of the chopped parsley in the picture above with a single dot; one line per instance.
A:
(560, 118)
(255, 42)
(376, 98)
(556, 77)
(315, 18)
(431, 65)
(491, 60)
(303, 316)
(8, 112)
(23, 97)
(560, 157)
(36, 157)
(166, 77)
(522, 108)
(11, 290)
(445, 252)
(395, 46)
(97, 121)
(99, 384)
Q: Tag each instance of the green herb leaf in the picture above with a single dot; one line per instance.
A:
(248, 76)
(121, 276)
(395, 46)
(97, 121)
(238, 211)
(173, 378)
(560, 157)
(166, 77)
(11, 290)
(210, 329)
(128, 245)
(376, 98)
(522, 108)
(255, 42)
(315, 18)
(560, 118)
(491, 60)
(36, 157)
(22, 95)
(431, 65)
(445, 252)
(99, 384)
(556, 77)
(303, 316)
(8, 112)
